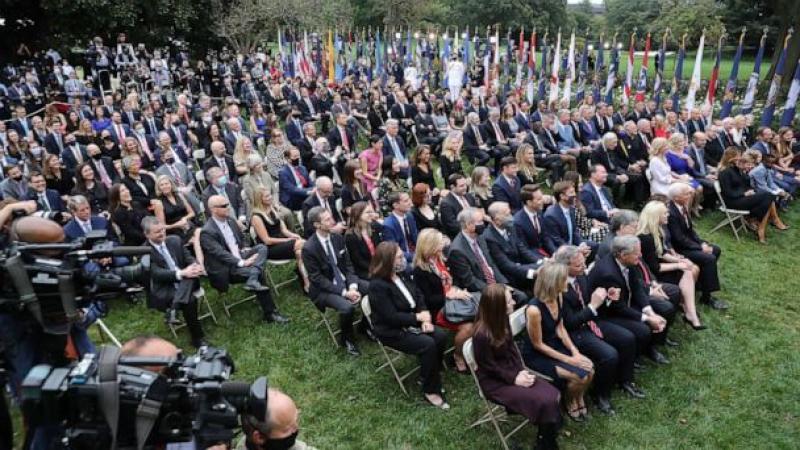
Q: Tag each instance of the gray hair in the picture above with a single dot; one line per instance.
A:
(622, 245)
(128, 160)
(472, 116)
(676, 189)
(495, 208)
(621, 218)
(392, 122)
(315, 213)
(254, 160)
(213, 172)
(608, 137)
(321, 145)
(466, 216)
(565, 253)
(75, 201)
(148, 222)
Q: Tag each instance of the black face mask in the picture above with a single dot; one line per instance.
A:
(283, 443)
(479, 229)
(17, 178)
(169, 161)
(295, 162)
(97, 156)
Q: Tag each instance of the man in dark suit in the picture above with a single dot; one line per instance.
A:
(218, 185)
(174, 278)
(469, 259)
(218, 158)
(607, 155)
(427, 134)
(696, 122)
(47, 200)
(454, 203)
(129, 116)
(596, 198)
(545, 156)
(73, 154)
(400, 226)
(54, 141)
(119, 131)
(560, 224)
(404, 113)
(22, 124)
(628, 304)
(611, 348)
(686, 242)
(341, 136)
(715, 145)
(152, 124)
(323, 196)
(293, 128)
(227, 261)
(103, 166)
(294, 183)
(507, 186)
(514, 259)
(334, 284)
(395, 147)
(476, 141)
(528, 220)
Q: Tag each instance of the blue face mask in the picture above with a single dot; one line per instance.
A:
(222, 181)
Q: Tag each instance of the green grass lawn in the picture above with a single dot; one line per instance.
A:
(733, 386)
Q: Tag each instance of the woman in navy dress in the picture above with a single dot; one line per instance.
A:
(548, 348)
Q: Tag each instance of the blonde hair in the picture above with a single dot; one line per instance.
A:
(550, 282)
(528, 169)
(658, 147)
(480, 191)
(428, 243)
(171, 183)
(449, 150)
(650, 222)
(239, 152)
(677, 141)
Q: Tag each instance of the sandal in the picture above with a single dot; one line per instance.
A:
(575, 414)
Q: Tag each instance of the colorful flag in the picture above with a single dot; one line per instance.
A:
(641, 87)
(331, 57)
(791, 99)
(676, 79)
(446, 56)
(466, 57)
(772, 96)
(657, 85)
(712, 83)
(599, 65)
(542, 68)
(730, 88)
(584, 68)
(752, 83)
(520, 57)
(612, 72)
(570, 77)
(626, 91)
(554, 74)
(487, 63)
(694, 84)
(532, 56)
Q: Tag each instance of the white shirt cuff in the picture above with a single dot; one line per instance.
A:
(647, 310)
(178, 275)
(240, 263)
(531, 274)
(594, 311)
(353, 287)
(643, 318)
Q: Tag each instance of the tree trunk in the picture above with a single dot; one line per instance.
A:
(792, 17)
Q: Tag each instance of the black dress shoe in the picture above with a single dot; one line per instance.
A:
(657, 357)
(716, 303)
(631, 389)
(367, 332)
(603, 404)
(694, 327)
(255, 286)
(275, 317)
(671, 342)
(350, 347)
(201, 343)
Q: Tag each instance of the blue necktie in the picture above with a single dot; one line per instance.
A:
(569, 226)
(338, 278)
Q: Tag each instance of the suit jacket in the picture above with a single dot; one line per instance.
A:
(139, 196)
(696, 156)
(448, 212)
(70, 163)
(408, 111)
(391, 312)
(393, 231)
(159, 126)
(312, 201)
(305, 110)
(601, 155)
(602, 125)
(633, 297)
(591, 201)
(762, 179)
(335, 139)
(320, 271)
(359, 251)
(530, 236)
(512, 256)
(53, 198)
(693, 126)
(73, 230)
(387, 147)
(492, 137)
(294, 131)
(234, 198)
(465, 268)
(110, 170)
(291, 195)
(211, 161)
(182, 131)
(425, 126)
(523, 121)
(681, 231)
(556, 231)
(17, 125)
(162, 279)
(220, 262)
(126, 117)
(187, 178)
(503, 192)
(577, 314)
(116, 137)
(471, 145)
(51, 145)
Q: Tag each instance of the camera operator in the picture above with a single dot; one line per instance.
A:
(279, 428)
(175, 278)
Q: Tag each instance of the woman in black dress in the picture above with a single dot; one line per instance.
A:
(450, 159)
(425, 214)
(401, 319)
(92, 189)
(501, 373)
(738, 194)
(665, 263)
(481, 187)
(55, 176)
(422, 171)
(127, 215)
(362, 237)
(271, 231)
(528, 172)
(547, 347)
(352, 188)
(178, 216)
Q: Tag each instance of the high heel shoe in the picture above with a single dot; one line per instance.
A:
(694, 327)
(443, 405)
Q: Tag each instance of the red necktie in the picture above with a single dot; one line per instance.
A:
(592, 324)
(487, 271)
(345, 142)
(300, 177)
(120, 132)
(175, 174)
(645, 273)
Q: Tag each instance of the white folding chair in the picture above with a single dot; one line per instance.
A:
(518, 322)
(395, 354)
(494, 413)
(202, 302)
(198, 156)
(106, 333)
(201, 178)
(733, 217)
(228, 303)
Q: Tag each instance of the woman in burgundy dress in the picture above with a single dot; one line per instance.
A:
(501, 373)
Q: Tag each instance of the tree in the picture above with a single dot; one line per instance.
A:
(688, 16)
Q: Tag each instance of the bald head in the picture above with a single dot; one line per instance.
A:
(283, 414)
(218, 205)
(324, 187)
(218, 148)
(150, 347)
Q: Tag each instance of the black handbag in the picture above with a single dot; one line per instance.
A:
(459, 311)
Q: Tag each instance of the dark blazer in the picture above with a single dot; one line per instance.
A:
(650, 253)
(139, 196)
(524, 122)
(408, 111)
(511, 255)
(492, 138)
(359, 252)
(391, 312)
(305, 110)
(126, 117)
(682, 236)
(234, 197)
(114, 136)
(448, 213)
(633, 297)
(503, 192)
(110, 170)
(470, 141)
(556, 232)
(387, 147)
(69, 158)
(294, 132)
(320, 272)
(464, 266)
(129, 222)
(335, 139)
(211, 161)
(530, 236)
(591, 201)
(72, 230)
(150, 130)
(392, 231)
(220, 262)
(291, 195)
(51, 145)
(312, 201)
(576, 314)
(53, 198)
(432, 289)
(162, 279)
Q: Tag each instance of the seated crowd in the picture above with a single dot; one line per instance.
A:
(364, 213)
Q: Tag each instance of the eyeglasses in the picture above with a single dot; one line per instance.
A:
(221, 206)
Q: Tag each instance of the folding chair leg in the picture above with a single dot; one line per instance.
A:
(105, 331)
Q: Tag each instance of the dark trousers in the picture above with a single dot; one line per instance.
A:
(479, 157)
(665, 309)
(624, 342)
(256, 271)
(343, 306)
(430, 348)
(709, 275)
(192, 322)
(639, 329)
(553, 164)
(603, 355)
